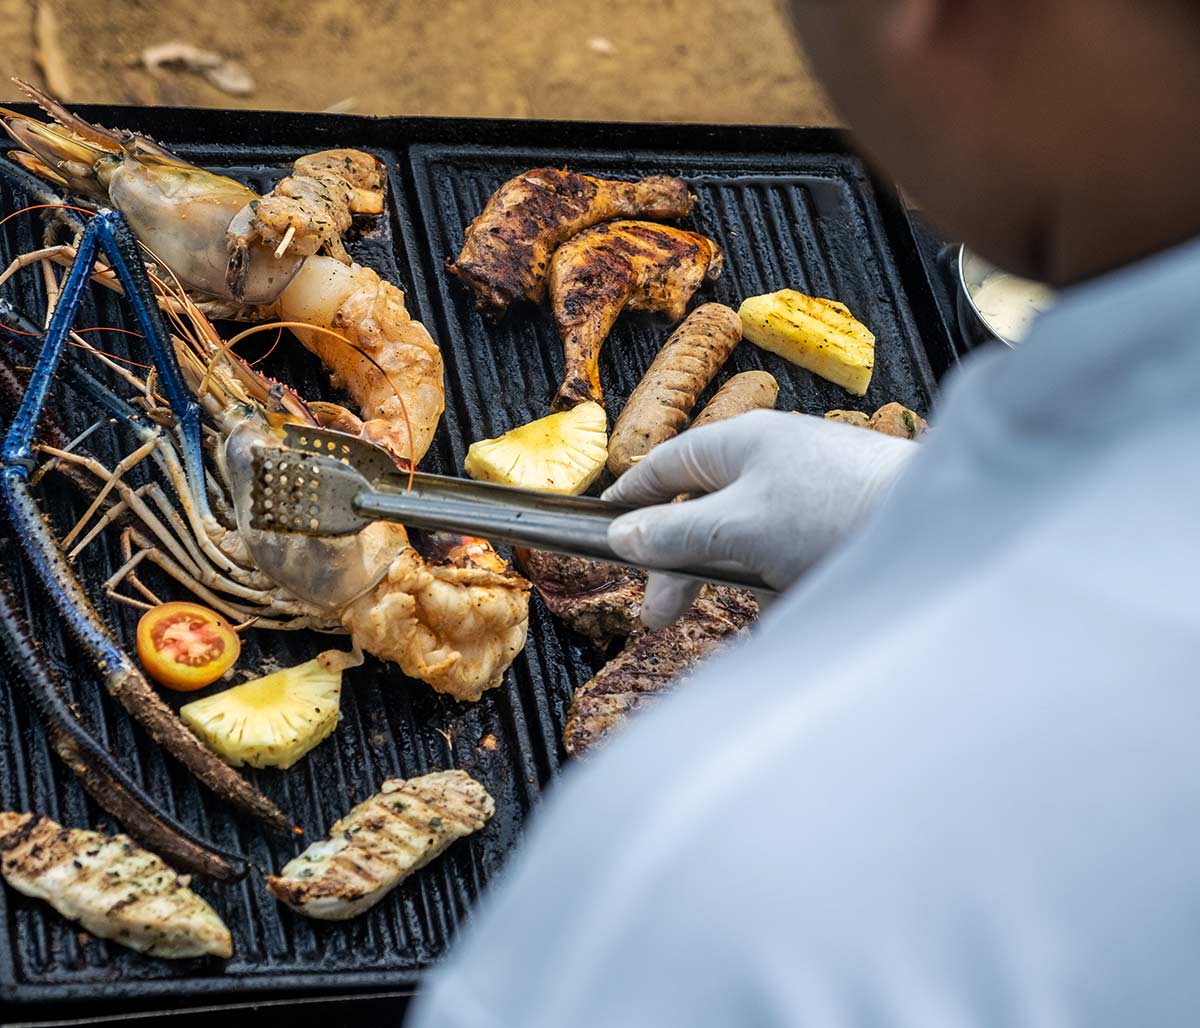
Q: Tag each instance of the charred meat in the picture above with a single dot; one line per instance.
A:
(654, 662)
(598, 273)
(601, 601)
(506, 253)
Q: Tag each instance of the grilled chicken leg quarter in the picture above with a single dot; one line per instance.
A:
(506, 253)
(598, 273)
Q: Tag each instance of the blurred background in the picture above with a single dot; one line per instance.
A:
(629, 60)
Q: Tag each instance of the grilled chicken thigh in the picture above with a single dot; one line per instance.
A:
(380, 843)
(506, 253)
(598, 273)
(112, 887)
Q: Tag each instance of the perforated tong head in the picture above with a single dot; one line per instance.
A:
(325, 483)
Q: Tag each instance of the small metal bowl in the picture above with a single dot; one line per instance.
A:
(975, 326)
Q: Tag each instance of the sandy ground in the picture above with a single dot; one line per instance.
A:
(654, 60)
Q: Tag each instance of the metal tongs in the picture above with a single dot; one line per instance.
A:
(326, 483)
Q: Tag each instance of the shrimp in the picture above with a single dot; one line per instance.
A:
(391, 350)
(256, 257)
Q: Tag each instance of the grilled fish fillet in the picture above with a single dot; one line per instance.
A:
(112, 887)
(598, 273)
(506, 252)
(654, 662)
(380, 843)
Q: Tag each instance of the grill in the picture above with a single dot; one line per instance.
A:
(791, 207)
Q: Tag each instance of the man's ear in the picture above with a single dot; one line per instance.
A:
(911, 25)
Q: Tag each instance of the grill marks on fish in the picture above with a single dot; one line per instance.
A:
(380, 843)
(507, 248)
(654, 662)
(112, 887)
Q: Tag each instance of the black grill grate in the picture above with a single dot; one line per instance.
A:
(790, 208)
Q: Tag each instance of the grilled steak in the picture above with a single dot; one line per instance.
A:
(654, 662)
(506, 252)
(112, 887)
(380, 843)
(594, 599)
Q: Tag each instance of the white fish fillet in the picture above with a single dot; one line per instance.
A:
(112, 887)
(380, 843)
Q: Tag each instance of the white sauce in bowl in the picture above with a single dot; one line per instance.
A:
(1010, 304)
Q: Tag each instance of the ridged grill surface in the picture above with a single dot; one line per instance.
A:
(789, 208)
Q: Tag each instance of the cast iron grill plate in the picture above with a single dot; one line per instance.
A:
(790, 207)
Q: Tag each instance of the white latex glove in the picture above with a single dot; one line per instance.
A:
(779, 490)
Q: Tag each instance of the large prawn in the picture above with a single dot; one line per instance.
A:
(253, 257)
(451, 613)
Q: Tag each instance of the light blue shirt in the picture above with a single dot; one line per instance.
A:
(954, 777)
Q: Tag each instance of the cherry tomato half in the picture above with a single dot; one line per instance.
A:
(185, 646)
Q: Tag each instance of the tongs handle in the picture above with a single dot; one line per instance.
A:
(577, 525)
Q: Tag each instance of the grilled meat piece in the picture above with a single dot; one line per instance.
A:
(891, 419)
(112, 887)
(598, 600)
(658, 409)
(654, 662)
(380, 843)
(896, 419)
(506, 252)
(598, 273)
(751, 390)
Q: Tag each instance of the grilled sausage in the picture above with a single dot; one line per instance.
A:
(751, 390)
(659, 407)
(891, 419)
(849, 417)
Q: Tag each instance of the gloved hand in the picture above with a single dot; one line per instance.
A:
(779, 490)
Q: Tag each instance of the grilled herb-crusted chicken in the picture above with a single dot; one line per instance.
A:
(112, 887)
(654, 662)
(380, 843)
(506, 253)
(600, 272)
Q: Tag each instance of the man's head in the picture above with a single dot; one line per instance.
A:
(1057, 137)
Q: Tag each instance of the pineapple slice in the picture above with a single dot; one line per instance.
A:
(820, 335)
(562, 453)
(275, 720)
